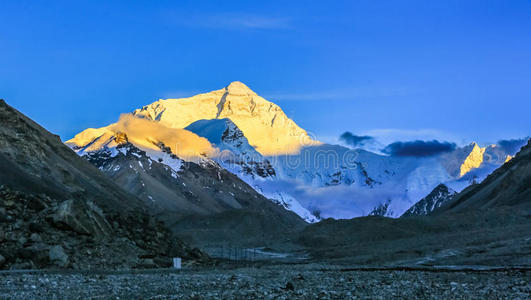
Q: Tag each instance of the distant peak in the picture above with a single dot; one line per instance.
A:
(238, 88)
(441, 186)
(472, 147)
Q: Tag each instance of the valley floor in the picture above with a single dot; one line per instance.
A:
(271, 282)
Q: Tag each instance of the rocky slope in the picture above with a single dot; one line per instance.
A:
(196, 198)
(187, 188)
(56, 209)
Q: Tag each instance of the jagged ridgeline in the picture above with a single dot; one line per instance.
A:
(237, 130)
(485, 224)
(439, 196)
(58, 210)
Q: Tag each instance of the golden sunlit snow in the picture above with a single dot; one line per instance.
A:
(473, 160)
(146, 134)
(264, 123)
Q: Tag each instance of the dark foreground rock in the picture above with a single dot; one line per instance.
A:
(279, 282)
(39, 232)
(59, 211)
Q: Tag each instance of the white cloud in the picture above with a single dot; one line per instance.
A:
(183, 143)
(243, 21)
(232, 21)
(390, 135)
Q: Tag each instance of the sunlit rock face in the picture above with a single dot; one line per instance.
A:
(473, 160)
(267, 129)
(265, 125)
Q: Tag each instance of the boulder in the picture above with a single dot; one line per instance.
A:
(58, 256)
(36, 203)
(36, 227)
(35, 238)
(3, 217)
(81, 217)
(38, 253)
(22, 240)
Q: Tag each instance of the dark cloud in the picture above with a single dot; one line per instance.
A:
(355, 140)
(512, 146)
(418, 148)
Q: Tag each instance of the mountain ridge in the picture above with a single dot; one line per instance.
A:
(58, 210)
(509, 185)
(440, 195)
(300, 173)
(244, 107)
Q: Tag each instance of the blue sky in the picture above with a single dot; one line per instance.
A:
(398, 70)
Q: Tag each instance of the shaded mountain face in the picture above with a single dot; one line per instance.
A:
(195, 198)
(508, 186)
(36, 161)
(190, 188)
(491, 238)
(253, 139)
(185, 187)
(235, 152)
(58, 209)
(240, 158)
(440, 195)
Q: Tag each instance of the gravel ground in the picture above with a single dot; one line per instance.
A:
(275, 282)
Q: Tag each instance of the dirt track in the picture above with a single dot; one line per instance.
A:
(275, 282)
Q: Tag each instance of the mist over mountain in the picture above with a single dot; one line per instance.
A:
(252, 138)
(512, 146)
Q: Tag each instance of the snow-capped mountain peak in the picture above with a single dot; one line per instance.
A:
(440, 195)
(473, 160)
(263, 123)
(239, 88)
(247, 135)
